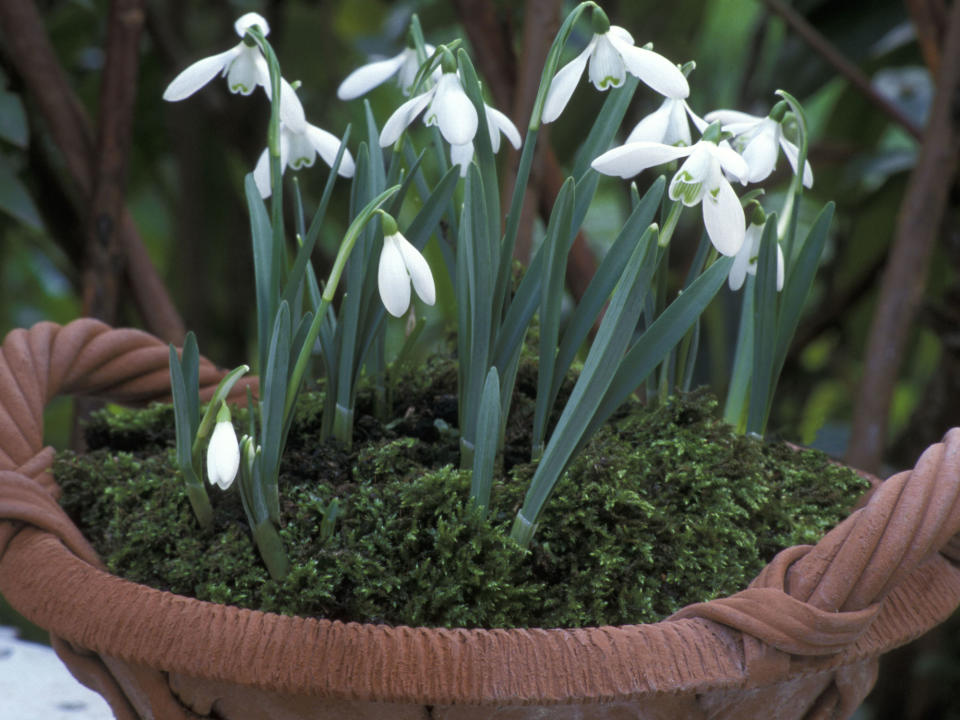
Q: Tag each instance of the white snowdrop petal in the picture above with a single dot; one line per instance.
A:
(419, 270)
(698, 122)
(606, 66)
(621, 34)
(563, 85)
(654, 127)
(247, 21)
(195, 76)
(629, 160)
(300, 150)
(780, 268)
(462, 155)
(454, 114)
(723, 218)
(247, 70)
(731, 161)
(731, 117)
(392, 279)
(746, 260)
(500, 123)
(223, 455)
(326, 145)
(291, 109)
(690, 182)
(402, 117)
(760, 154)
(261, 174)
(411, 66)
(793, 155)
(653, 69)
(366, 77)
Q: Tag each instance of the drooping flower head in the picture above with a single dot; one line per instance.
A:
(745, 263)
(298, 149)
(223, 452)
(611, 54)
(401, 265)
(700, 180)
(366, 77)
(758, 138)
(245, 68)
(446, 105)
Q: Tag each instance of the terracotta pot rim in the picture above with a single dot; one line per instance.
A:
(874, 582)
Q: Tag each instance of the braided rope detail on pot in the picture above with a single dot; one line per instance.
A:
(817, 600)
(810, 601)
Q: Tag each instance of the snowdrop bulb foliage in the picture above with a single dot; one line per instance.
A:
(611, 54)
(401, 265)
(366, 77)
(223, 452)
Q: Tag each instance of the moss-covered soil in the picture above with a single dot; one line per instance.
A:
(665, 507)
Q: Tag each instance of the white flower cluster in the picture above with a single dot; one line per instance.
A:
(245, 68)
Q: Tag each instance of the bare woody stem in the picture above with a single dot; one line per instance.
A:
(904, 278)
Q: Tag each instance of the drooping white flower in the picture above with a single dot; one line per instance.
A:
(757, 138)
(668, 124)
(366, 77)
(223, 452)
(245, 68)
(746, 260)
(497, 123)
(447, 106)
(298, 149)
(699, 180)
(400, 265)
(611, 54)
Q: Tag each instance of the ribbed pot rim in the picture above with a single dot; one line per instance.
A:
(874, 582)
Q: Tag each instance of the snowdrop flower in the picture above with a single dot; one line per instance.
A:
(400, 265)
(447, 106)
(223, 452)
(668, 124)
(746, 260)
(758, 138)
(366, 77)
(699, 180)
(244, 66)
(497, 123)
(298, 149)
(611, 54)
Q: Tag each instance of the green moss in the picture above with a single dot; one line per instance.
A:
(664, 508)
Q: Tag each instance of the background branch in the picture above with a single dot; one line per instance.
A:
(904, 279)
(832, 55)
(34, 59)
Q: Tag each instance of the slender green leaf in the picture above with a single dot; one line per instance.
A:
(604, 358)
(601, 285)
(272, 401)
(488, 440)
(264, 273)
(765, 329)
(551, 301)
(660, 338)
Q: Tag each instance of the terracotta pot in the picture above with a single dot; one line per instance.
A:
(801, 642)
